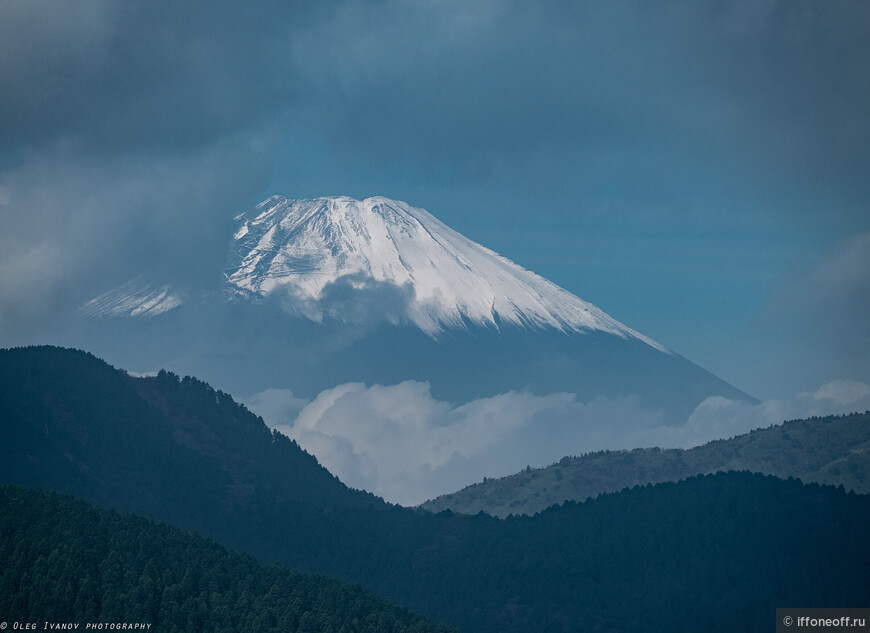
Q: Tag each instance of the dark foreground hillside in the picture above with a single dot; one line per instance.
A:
(831, 450)
(64, 561)
(161, 446)
(713, 553)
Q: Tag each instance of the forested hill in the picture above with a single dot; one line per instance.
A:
(162, 447)
(833, 450)
(715, 553)
(64, 561)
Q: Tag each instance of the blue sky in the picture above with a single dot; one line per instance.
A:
(699, 170)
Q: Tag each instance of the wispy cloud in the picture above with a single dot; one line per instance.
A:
(817, 320)
(73, 225)
(832, 299)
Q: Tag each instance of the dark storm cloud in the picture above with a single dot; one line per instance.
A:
(130, 133)
(648, 98)
(157, 76)
(72, 225)
(783, 80)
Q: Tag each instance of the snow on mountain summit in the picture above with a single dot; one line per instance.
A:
(299, 250)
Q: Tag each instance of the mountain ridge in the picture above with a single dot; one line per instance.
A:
(61, 432)
(833, 450)
(74, 424)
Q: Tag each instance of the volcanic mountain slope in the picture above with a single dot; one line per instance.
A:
(331, 290)
(300, 249)
(719, 552)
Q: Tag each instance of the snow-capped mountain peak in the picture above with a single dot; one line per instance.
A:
(304, 251)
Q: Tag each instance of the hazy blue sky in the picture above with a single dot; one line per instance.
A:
(699, 170)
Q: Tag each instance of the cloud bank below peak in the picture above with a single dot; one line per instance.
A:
(406, 446)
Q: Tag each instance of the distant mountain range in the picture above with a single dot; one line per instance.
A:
(832, 450)
(717, 552)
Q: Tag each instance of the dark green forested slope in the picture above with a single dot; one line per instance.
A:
(62, 560)
(832, 450)
(161, 447)
(712, 553)
(715, 553)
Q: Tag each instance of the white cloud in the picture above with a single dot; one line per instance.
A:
(718, 417)
(406, 446)
(848, 392)
(403, 444)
